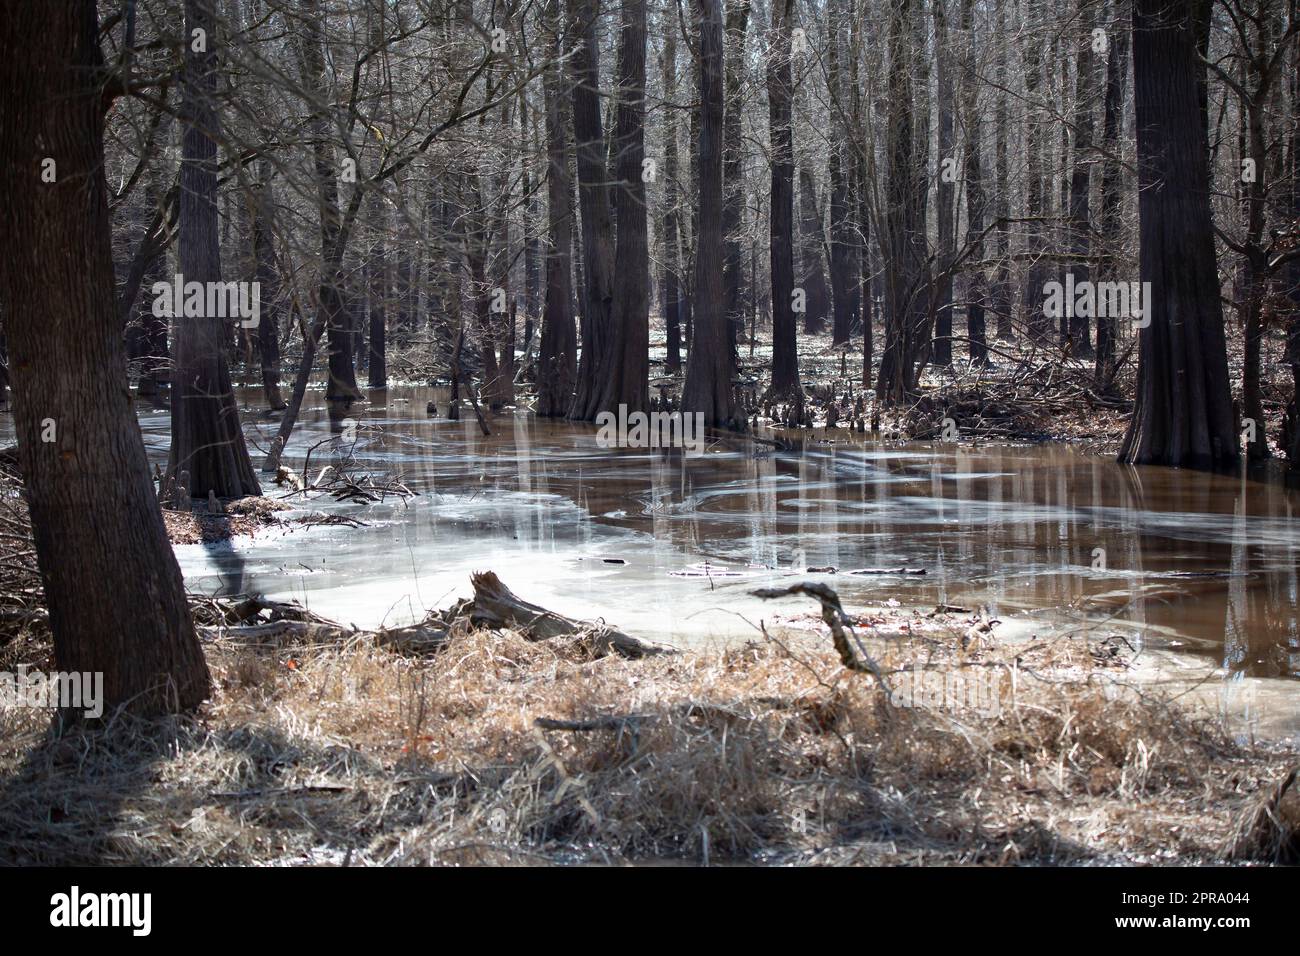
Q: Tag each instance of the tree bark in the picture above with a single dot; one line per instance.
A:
(709, 372)
(114, 591)
(737, 13)
(342, 384)
(268, 327)
(1111, 183)
(1001, 297)
(1183, 416)
(597, 217)
(672, 298)
(1076, 327)
(904, 241)
(207, 443)
(780, 83)
(812, 237)
(946, 190)
(378, 293)
(976, 198)
(843, 233)
(626, 380)
(557, 356)
(1037, 181)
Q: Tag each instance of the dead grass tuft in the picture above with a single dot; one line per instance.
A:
(499, 748)
(1269, 830)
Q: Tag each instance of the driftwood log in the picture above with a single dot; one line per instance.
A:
(291, 623)
(495, 605)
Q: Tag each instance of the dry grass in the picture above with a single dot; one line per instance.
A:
(771, 752)
(1270, 830)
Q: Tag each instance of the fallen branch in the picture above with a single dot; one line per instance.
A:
(835, 618)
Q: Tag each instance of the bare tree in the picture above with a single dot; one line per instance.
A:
(626, 381)
(780, 85)
(709, 373)
(976, 195)
(946, 198)
(557, 358)
(208, 454)
(114, 592)
(1183, 415)
(597, 216)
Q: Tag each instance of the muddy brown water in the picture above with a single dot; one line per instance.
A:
(669, 547)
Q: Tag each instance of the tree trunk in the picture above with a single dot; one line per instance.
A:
(500, 386)
(1255, 271)
(709, 372)
(812, 237)
(863, 205)
(626, 380)
(268, 327)
(976, 199)
(843, 233)
(733, 167)
(532, 216)
(1111, 182)
(153, 355)
(207, 443)
(114, 591)
(1080, 223)
(1002, 285)
(904, 242)
(1183, 416)
(1292, 437)
(477, 236)
(844, 252)
(557, 355)
(1037, 181)
(671, 297)
(597, 218)
(785, 358)
(342, 384)
(946, 190)
(378, 292)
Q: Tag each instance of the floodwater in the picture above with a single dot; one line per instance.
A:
(1199, 567)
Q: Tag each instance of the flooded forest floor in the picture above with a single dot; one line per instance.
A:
(871, 735)
(867, 732)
